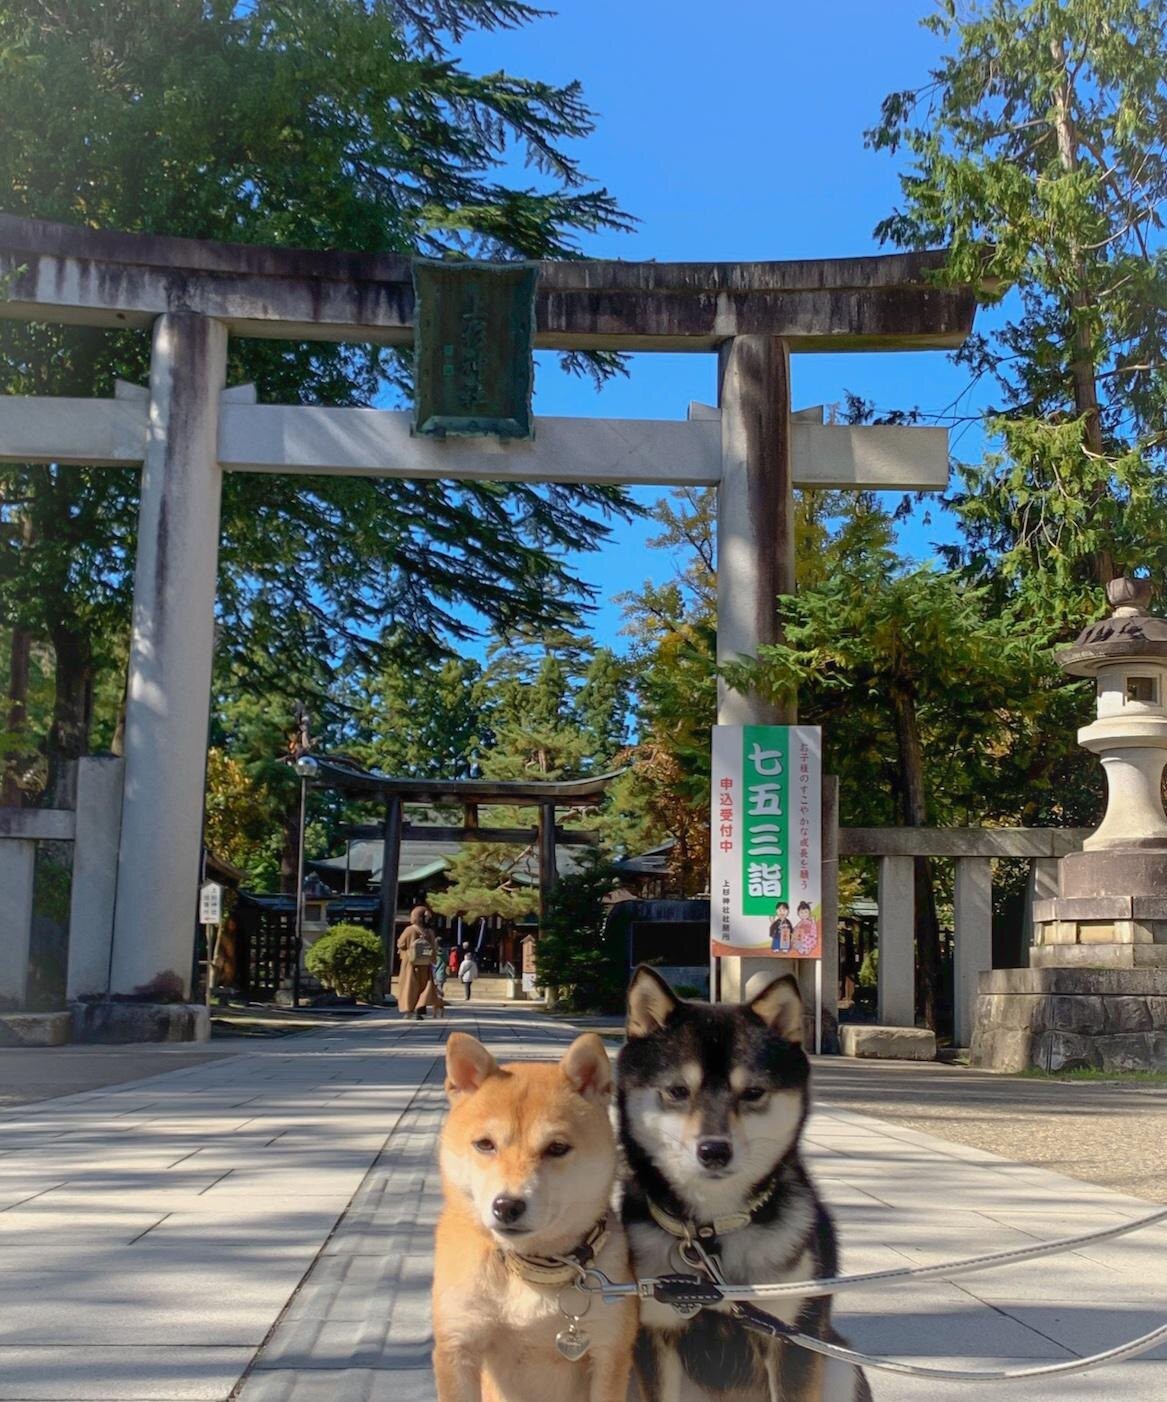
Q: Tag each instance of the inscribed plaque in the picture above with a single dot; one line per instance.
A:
(474, 330)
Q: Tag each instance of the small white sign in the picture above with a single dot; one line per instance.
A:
(210, 903)
(528, 983)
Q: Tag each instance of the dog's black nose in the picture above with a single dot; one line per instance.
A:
(714, 1153)
(508, 1210)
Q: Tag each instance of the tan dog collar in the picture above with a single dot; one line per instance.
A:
(558, 1270)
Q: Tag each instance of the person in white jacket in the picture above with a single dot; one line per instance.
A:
(468, 969)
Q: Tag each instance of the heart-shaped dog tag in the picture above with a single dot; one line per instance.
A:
(573, 1343)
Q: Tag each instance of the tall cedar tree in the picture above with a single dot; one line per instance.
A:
(1038, 151)
(317, 123)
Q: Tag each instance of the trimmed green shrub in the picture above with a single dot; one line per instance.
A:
(688, 990)
(347, 959)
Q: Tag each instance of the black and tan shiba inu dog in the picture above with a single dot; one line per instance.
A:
(712, 1102)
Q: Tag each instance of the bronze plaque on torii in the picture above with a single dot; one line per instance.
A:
(474, 330)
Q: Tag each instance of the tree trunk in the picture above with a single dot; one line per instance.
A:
(1083, 370)
(11, 793)
(914, 811)
(290, 855)
(72, 711)
(117, 745)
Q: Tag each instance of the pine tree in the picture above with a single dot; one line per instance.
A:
(317, 123)
(602, 705)
(422, 720)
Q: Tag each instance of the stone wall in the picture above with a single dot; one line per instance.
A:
(1059, 1019)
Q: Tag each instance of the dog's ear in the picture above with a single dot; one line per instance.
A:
(779, 1005)
(468, 1064)
(587, 1069)
(651, 1002)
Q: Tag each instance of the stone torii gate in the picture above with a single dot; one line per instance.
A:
(187, 428)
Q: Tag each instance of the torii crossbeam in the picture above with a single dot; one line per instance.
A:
(186, 429)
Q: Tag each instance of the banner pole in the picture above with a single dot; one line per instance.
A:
(818, 1007)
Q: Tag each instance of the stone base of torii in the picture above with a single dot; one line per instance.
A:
(187, 428)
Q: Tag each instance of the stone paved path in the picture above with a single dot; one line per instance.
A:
(258, 1227)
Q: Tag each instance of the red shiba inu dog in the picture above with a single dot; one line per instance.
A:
(528, 1161)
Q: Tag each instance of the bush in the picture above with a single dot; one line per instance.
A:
(347, 959)
(869, 970)
(688, 990)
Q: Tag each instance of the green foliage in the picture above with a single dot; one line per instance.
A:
(481, 884)
(322, 124)
(423, 719)
(673, 629)
(688, 990)
(239, 817)
(868, 976)
(601, 705)
(575, 956)
(875, 650)
(347, 959)
(1038, 153)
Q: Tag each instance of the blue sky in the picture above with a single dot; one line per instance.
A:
(732, 131)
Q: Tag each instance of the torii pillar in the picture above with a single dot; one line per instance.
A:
(171, 648)
(755, 561)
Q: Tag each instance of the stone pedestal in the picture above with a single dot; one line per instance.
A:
(34, 1029)
(889, 1043)
(113, 1021)
(1101, 931)
(1060, 1019)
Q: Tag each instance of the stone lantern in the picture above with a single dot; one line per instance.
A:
(1096, 990)
(1111, 907)
(314, 922)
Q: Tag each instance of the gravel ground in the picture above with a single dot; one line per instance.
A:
(1110, 1133)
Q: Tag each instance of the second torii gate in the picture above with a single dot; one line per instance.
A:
(186, 428)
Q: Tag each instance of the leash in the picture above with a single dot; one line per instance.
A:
(690, 1293)
(835, 1284)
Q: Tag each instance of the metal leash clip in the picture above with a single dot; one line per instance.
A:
(687, 1294)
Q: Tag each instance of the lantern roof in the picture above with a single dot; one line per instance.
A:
(1131, 633)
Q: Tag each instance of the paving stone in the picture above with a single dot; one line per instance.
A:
(939, 1329)
(351, 1384)
(93, 1374)
(247, 1165)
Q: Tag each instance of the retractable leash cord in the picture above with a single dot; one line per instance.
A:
(688, 1294)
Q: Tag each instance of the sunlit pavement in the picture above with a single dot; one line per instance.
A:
(258, 1225)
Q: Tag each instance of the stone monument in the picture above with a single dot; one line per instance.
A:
(1095, 994)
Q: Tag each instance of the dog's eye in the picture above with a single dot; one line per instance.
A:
(752, 1094)
(676, 1095)
(484, 1146)
(556, 1149)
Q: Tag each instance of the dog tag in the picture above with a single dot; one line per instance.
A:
(572, 1342)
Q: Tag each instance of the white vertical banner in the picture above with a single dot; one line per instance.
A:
(766, 837)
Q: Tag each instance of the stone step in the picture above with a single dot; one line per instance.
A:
(890, 1043)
